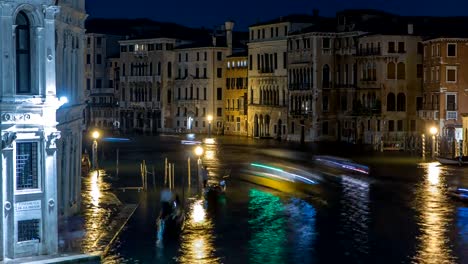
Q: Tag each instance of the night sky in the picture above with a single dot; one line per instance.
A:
(210, 13)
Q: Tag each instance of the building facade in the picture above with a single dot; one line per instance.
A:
(199, 84)
(445, 81)
(70, 35)
(235, 101)
(29, 154)
(390, 83)
(98, 83)
(147, 73)
(268, 76)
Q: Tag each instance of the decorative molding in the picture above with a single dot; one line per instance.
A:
(51, 139)
(20, 118)
(50, 11)
(7, 139)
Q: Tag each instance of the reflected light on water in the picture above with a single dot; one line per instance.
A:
(95, 192)
(433, 173)
(197, 240)
(435, 210)
(210, 155)
(198, 212)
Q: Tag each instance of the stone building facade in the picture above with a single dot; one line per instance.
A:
(70, 34)
(268, 76)
(390, 83)
(29, 129)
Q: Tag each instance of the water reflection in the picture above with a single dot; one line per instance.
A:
(97, 211)
(267, 224)
(355, 216)
(462, 226)
(197, 242)
(302, 223)
(435, 215)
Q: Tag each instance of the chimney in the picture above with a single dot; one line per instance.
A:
(315, 12)
(410, 29)
(228, 26)
(213, 39)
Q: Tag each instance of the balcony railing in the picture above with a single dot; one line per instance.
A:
(369, 52)
(300, 86)
(451, 115)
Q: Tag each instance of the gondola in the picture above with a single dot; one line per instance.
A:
(170, 223)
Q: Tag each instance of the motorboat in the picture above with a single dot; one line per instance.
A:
(458, 193)
(170, 222)
(342, 164)
(460, 161)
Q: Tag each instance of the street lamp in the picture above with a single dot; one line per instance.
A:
(199, 152)
(210, 118)
(433, 131)
(95, 136)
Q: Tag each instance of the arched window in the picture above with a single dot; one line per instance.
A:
(401, 102)
(169, 70)
(23, 54)
(401, 72)
(390, 102)
(326, 76)
(391, 71)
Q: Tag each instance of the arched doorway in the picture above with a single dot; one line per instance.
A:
(267, 125)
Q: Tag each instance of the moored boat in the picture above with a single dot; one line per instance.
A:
(453, 161)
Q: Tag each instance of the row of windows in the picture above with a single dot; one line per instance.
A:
(146, 47)
(450, 74)
(237, 64)
(236, 83)
(191, 95)
(273, 32)
(98, 42)
(198, 56)
(451, 49)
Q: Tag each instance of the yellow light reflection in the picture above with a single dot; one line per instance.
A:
(198, 212)
(433, 173)
(95, 191)
(435, 214)
(210, 155)
(197, 244)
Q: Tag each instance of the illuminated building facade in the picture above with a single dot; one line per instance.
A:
(29, 134)
(147, 73)
(200, 78)
(235, 102)
(268, 75)
(390, 83)
(445, 94)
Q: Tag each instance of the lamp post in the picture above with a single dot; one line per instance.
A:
(199, 152)
(433, 131)
(95, 136)
(210, 118)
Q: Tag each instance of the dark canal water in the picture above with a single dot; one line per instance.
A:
(401, 213)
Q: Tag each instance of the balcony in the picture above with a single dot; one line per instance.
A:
(141, 78)
(300, 86)
(451, 115)
(369, 52)
(102, 91)
(429, 114)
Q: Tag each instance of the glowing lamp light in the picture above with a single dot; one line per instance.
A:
(63, 99)
(95, 135)
(433, 130)
(198, 151)
(209, 118)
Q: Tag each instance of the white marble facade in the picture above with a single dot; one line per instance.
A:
(28, 103)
